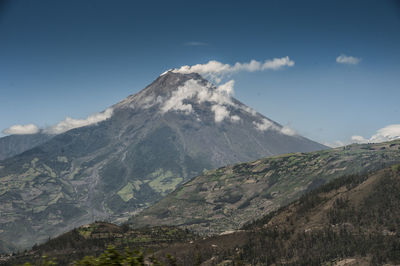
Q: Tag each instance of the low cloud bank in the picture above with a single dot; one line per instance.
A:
(388, 133)
(71, 123)
(61, 127)
(21, 130)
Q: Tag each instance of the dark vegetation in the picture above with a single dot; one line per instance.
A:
(365, 225)
(102, 240)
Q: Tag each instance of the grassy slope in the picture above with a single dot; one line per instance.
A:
(351, 219)
(227, 198)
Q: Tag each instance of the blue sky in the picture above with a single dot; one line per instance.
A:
(74, 58)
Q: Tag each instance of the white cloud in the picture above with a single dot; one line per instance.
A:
(288, 131)
(220, 112)
(227, 88)
(277, 63)
(70, 123)
(190, 89)
(235, 118)
(21, 129)
(193, 90)
(387, 133)
(65, 125)
(220, 96)
(215, 70)
(344, 59)
(264, 125)
(223, 94)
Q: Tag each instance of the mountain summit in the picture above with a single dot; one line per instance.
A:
(208, 114)
(171, 131)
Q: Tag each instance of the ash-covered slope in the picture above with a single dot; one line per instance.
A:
(156, 139)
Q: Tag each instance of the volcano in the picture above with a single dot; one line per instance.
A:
(171, 131)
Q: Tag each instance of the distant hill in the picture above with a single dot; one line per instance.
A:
(16, 144)
(171, 131)
(229, 197)
(352, 220)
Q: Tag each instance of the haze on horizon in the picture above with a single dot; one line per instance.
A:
(329, 70)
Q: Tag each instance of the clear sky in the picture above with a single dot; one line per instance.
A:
(77, 57)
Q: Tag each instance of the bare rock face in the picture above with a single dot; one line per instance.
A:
(171, 131)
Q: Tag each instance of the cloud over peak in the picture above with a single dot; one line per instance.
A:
(349, 60)
(220, 97)
(221, 104)
(216, 70)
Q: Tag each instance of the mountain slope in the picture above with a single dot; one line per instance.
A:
(352, 220)
(226, 198)
(162, 136)
(91, 240)
(16, 144)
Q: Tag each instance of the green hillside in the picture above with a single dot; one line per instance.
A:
(229, 197)
(352, 220)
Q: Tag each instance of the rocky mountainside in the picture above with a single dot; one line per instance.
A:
(171, 131)
(229, 197)
(16, 144)
(352, 220)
